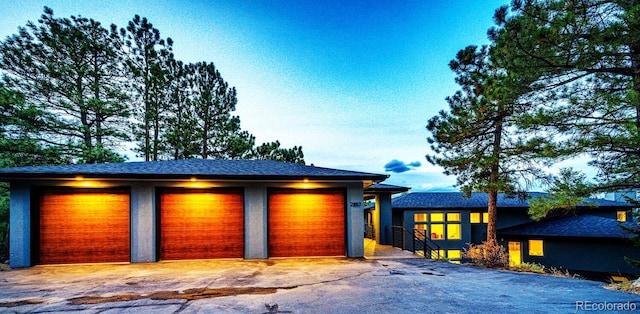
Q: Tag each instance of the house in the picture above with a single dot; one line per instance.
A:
(183, 209)
(583, 243)
(587, 239)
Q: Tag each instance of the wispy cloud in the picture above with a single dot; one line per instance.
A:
(397, 166)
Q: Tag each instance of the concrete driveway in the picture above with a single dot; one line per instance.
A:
(387, 284)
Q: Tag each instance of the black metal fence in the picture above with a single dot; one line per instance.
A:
(416, 241)
(370, 231)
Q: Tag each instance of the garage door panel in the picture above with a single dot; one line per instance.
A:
(306, 223)
(84, 227)
(202, 224)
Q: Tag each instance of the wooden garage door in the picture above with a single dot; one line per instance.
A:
(83, 226)
(306, 223)
(201, 224)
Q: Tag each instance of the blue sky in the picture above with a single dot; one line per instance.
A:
(352, 82)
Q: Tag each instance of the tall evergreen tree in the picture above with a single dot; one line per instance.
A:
(147, 54)
(68, 68)
(476, 139)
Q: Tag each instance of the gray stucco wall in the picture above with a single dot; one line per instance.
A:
(355, 220)
(255, 221)
(143, 222)
(20, 226)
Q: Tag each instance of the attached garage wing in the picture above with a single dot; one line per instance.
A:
(306, 223)
(201, 224)
(83, 226)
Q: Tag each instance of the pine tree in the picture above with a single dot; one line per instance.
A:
(68, 68)
(476, 139)
(147, 54)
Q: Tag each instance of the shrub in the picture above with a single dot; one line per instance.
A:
(529, 268)
(487, 254)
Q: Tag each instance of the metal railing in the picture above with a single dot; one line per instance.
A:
(370, 231)
(417, 241)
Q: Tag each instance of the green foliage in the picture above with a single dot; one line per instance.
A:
(566, 192)
(583, 55)
(476, 140)
(273, 151)
(66, 70)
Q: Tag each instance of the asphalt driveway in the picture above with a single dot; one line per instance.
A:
(325, 285)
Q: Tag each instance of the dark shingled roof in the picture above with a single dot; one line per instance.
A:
(574, 226)
(477, 200)
(218, 169)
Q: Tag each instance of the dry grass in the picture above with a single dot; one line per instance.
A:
(626, 286)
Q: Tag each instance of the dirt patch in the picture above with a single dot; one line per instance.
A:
(189, 294)
(20, 303)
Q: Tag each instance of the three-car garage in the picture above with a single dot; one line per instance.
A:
(93, 225)
(141, 212)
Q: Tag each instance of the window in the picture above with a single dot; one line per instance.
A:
(515, 256)
(420, 231)
(536, 248)
(475, 218)
(435, 227)
(437, 231)
(437, 254)
(621, 216)
(453, 232)
(453, 254)
(453, 216)
(419, 217)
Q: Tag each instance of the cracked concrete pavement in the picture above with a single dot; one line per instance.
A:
(306, 285)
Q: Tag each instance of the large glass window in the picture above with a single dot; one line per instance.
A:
(453, 231)
(438, 226)
(485, 217)
(536, 248)
(437, 231)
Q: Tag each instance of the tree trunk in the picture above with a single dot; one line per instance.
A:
(492, 233)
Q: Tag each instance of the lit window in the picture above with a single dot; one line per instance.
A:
(419, 217)
(420, 226)
(485, 217)
(453, 216)
(420, 231)
(437, 231)
(515, 257)
(437, 217)
(475, 218)
(436, 254)
(453, 231)
(536, 248)
(453, 254)
(621, 216)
